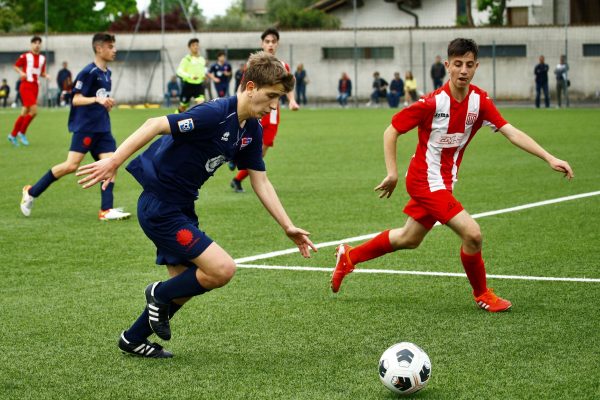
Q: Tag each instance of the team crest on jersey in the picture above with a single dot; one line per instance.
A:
(471, 118)
(245, 142)
(214, 163)
(185, 125)
(78, 85)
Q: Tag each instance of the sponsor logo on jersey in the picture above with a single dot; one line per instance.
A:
(441, 115)
(185, 125)
(450, 140)
(214, 163)
(245, 142)
(102, 93)
(471, 118)
(225, 137)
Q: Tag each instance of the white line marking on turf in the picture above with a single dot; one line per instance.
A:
(372, 235)
(425, 273)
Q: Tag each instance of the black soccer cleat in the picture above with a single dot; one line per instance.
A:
(236, 185)
(158, 313)
(144, 349)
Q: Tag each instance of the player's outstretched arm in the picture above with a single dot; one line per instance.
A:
(268, 197)
(387, 186)
(106, 169)
(525, 142)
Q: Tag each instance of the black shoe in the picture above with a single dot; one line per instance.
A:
(231, 165)
(159, 313)
(236, 185)
(144, 349)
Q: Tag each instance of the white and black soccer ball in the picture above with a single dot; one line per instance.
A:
(404, 368)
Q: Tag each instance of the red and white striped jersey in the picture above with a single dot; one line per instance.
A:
(272, 118)
(32, 64)
(446, 127)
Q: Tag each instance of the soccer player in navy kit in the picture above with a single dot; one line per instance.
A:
(171, 171)
(90, 124)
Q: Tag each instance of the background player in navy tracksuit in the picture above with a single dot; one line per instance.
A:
(90, 124)
(173, 168)
(220, 73)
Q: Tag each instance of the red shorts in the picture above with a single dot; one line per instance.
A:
(269, 133)
(427, 207)
(29, 93)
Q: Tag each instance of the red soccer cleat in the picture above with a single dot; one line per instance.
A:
(343, 266)
(492, 303)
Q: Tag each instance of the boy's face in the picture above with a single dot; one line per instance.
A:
(269, 44)
(36, 47)
(107, 51)
(195, 48)
(462, 69)
(264, 100)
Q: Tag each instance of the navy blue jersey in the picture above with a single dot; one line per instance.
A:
(93, 118)
(219, 71)
(175, 166)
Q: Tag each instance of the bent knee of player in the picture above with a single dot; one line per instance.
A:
(403, 238)
(223, 272)
(473, 238)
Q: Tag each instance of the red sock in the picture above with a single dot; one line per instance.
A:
(475, 269)
(17, 127)
(26, 121)
(374, 248)
(241, 175)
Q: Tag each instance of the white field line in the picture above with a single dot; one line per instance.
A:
(372, 235)
(425, 273)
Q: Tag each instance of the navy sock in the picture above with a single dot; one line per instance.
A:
(140, 330)
(107, 197)
(182, 285)
(42, 184)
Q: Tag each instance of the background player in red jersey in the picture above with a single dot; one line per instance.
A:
(30, 66)
(447, 119)
(270, 122)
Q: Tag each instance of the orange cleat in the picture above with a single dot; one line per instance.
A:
(343, 266)
(492, 303)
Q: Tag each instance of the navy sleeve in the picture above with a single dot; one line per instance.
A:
(198, 122)
(83, 83)
(250, 157)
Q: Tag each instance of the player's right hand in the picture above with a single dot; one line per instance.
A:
(102, 170)
(387, 186)
(106, 102)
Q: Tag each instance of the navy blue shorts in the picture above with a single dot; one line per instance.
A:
(173, 229)
(96, 143)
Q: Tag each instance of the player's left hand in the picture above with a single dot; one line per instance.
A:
(387, 186)
(102, 170)
(294, 106)
(562, 166)
(300, 237)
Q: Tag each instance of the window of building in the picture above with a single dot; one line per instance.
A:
(518, 16)
(139, 56)
(503, 50)
(10, 57)
(367, 53)
(591, 50)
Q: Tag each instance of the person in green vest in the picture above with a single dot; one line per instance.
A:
(192, 70)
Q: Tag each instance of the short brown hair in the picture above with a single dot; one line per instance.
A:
(100, 38)
(36, 39)
(265, 69)
(460, 46)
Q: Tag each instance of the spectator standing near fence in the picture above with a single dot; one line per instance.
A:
(561, 81)
(541, 82)
(301, 82)
(438, 73)
(4, 92)
(344, 89)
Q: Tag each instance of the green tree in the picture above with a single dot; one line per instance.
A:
(495, 8)
(236, 18)
(191, 8)
(76, 16)
(9, 19)
(296, 14)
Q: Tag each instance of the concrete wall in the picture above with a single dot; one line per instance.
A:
(514, 76)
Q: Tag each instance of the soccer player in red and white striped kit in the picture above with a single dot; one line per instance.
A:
(447, 120)
(30, 66)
